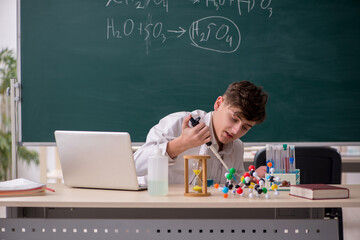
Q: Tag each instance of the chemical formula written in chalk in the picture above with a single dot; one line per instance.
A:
(212, 33)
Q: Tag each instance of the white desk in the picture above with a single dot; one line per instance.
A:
(92, 198)
(71, 213)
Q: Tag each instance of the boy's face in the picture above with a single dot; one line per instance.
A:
(228, 122)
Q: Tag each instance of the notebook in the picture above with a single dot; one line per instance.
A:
(97, 160)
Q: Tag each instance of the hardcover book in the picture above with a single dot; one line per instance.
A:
(319, 191)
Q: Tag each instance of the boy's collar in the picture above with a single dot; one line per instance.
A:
(227, 148)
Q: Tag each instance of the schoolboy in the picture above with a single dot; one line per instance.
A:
(240, 108)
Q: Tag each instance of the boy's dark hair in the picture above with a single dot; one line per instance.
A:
(250, 98)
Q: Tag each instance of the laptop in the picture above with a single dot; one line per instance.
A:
(97, 160)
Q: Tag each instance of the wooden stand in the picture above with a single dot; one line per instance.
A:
(202, 159)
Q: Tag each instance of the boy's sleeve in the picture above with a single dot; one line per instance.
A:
(166, 130)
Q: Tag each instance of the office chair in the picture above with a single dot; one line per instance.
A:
(317, 165)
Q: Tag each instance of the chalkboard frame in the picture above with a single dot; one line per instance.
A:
(351, 142)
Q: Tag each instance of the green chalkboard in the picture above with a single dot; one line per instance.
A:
(121, 65)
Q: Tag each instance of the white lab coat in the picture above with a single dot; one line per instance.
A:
(169, 128)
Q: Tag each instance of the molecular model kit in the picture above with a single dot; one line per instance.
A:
(254, 189)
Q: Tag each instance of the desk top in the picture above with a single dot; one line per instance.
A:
(93, 198)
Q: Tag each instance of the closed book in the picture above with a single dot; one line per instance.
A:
(319, 191)
(23, 193)
(21, 187)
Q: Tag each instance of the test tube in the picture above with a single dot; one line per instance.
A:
(269, 157)
(292, 158)
(277, 157)
(285, 158)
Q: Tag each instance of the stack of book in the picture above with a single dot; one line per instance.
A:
(22, 187)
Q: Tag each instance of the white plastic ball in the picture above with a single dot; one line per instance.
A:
(267, 196)
(262, 183)
(247, 179)
(272, 170)
(251, 195)
(255, 174)
(277, 179)
(276, 193)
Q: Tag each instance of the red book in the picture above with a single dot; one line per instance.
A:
(319, 191)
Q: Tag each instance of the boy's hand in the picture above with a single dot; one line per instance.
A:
(261, 171)
(189, 138)
(195, 136)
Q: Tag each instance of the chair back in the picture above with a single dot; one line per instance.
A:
(316, 164)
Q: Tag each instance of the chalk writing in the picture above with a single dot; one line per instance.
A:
(144, 4)
(212, 33)
(215, 29)
(242, 6)
(127, 28)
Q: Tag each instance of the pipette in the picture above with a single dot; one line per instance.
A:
(195, 122)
